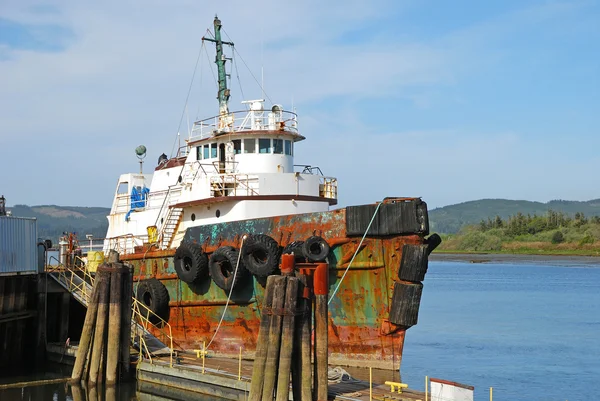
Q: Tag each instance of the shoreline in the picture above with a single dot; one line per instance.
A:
(560, 260)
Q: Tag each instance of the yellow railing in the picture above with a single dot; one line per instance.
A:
(142, 315)
(77, 280)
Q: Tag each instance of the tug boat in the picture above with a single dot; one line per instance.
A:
(211, 223)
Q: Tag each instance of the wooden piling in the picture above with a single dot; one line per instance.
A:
(114, 324)
(127, 294)
(305, 348)
(86, 336)
(321, 340)
(103, 282)
(262, 343)
(287, 338)
(270, 372)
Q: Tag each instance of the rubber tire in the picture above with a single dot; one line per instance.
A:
(191, 264)
(155, 296)
(315, 249)
(295, 247)
(222, 267)
(261, 255)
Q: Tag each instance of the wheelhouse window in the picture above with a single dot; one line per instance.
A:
(278, 146)
(213, 150)
(288, 147)
(206, 152)
(198, 152)
(123, 188)
(237, 146)
(250, 145)
(264, 145)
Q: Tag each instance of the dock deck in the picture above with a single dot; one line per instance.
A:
(225, 378)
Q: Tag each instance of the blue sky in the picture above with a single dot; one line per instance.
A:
(451, 101)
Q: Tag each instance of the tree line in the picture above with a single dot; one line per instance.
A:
(521, 224)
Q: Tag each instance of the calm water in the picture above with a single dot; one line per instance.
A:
(531, 331)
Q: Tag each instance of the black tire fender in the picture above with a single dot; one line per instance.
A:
(261, 255)
(315, 249)
(191, 264)
(295, 247)
(222, 266)
(154, 295)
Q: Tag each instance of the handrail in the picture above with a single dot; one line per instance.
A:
(220, 180)
(252, 120)
(141, 314)
(144, 321)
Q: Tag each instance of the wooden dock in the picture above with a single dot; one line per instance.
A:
(228, 379)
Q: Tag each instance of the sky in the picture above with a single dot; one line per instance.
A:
(448, 101)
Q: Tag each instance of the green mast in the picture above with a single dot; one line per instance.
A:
(223, 94)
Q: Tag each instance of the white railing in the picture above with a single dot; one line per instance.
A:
(253, 120)
(234, 185)
(124, 243)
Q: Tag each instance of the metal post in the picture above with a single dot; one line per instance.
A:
(371, 383)
(203, 354)
(491, 393)
(240, 366)
(426, 387)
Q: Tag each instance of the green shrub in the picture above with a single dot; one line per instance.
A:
(557, 237)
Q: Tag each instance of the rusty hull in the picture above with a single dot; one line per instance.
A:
(359, 332)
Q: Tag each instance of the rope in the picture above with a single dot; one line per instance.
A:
(187, 98)
(353, 256)
(249, 70)
(229, 296)
(340, 375)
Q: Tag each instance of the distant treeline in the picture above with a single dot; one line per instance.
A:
(521, 224)
(552, 231)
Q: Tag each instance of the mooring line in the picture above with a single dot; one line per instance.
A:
(230, 292)
(355, 253)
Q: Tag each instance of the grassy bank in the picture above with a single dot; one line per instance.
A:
(553, 234)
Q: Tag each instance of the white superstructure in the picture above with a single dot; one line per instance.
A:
(236, 166)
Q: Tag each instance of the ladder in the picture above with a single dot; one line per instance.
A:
(170, 225)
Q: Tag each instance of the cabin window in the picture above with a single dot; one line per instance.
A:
(250, 145)
(264, 145)
(237, 146)
(288, 148)
(123, 188)
(278, 146)
(199, 153)
(213, 150)
(206, 151)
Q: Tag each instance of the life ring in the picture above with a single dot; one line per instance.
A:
(154, 295)
(315, 249)
(222, 265)
(295, 247)
(261, 255)
(191, 264)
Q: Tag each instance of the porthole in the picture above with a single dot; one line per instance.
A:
(218, 213)
(161, 220)
(179, 179)
(193, 216)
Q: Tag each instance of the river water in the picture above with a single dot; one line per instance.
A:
(529, 329)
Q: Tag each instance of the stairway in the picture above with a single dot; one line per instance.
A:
(170, 226)
(81, 289)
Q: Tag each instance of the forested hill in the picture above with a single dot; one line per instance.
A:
(450, 219)
(54, 220)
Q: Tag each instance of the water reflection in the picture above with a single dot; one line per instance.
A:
(68, 392)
